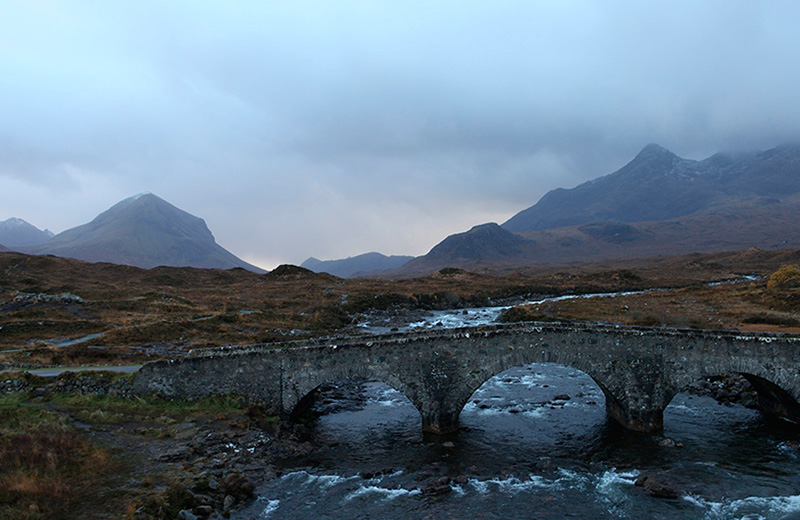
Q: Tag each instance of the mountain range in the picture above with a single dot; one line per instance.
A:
(142, 231)
(15, 232)
(658, 185)
(361, 265)
(658, 204)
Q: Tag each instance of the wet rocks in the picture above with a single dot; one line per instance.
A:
(668, 442)
(547, 464)
(62, 298)
(367, 475)
(437, 486)
(658, 486)
(237, 486)
(10, 386)
(727, 389)
(185, 514)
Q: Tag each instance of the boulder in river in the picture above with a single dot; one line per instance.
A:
(657, 486)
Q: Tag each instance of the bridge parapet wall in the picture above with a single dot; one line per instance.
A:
(639, 369)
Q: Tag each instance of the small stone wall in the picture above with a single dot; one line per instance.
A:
(87, 383)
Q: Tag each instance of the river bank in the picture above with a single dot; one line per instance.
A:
(158, 459)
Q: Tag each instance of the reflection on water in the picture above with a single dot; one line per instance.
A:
(535, 443)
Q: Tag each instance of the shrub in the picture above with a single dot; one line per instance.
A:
(788, 275)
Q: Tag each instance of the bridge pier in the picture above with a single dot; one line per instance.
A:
(637, 408)
(638, 420)
(439, 422)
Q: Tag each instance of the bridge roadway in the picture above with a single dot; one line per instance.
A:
(639, 369)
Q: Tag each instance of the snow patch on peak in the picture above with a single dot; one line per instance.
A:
(14, 221)
(138, 196)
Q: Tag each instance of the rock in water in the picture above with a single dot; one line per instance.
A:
(657, 487)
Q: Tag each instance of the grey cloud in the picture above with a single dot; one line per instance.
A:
(301, 129)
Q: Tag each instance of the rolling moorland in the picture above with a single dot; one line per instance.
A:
(64, 311)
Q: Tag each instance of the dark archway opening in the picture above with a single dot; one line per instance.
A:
(358, 413)
(544, 409)
(748, 391)
(717, 447)
(773, 400)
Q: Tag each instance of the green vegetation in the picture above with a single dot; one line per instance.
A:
(772, 319)
(148, 405)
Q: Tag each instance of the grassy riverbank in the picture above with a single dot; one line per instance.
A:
(73, 455)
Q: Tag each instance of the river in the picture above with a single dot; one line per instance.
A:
(535, 443)
(528, 451)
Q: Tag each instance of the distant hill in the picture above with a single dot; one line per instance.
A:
(143, 231)
(481, 245)
(365, 264)
(3, 248)
(15, 232)
(659, 185)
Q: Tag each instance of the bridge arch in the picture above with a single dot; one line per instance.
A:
(298, 390)
(519, 392)
(465, 393)
(777, 388)
(482, 368)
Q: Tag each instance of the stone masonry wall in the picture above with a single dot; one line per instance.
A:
(639, 369)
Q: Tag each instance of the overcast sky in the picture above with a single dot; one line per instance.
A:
(331, 129)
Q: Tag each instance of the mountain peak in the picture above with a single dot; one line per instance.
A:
(142, 199)
(651, 148)
(13, 221)
(16, 232)
(139, 196)
(480, 242)
(489, 227)
(659, 185)
(144, 231)
(653, 153)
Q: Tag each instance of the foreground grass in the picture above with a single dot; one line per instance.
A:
(49, 469)
(45, 465)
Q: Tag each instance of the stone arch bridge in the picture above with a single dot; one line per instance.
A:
(639, 369)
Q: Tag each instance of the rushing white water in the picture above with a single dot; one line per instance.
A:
(536, 444)
(475, 317)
